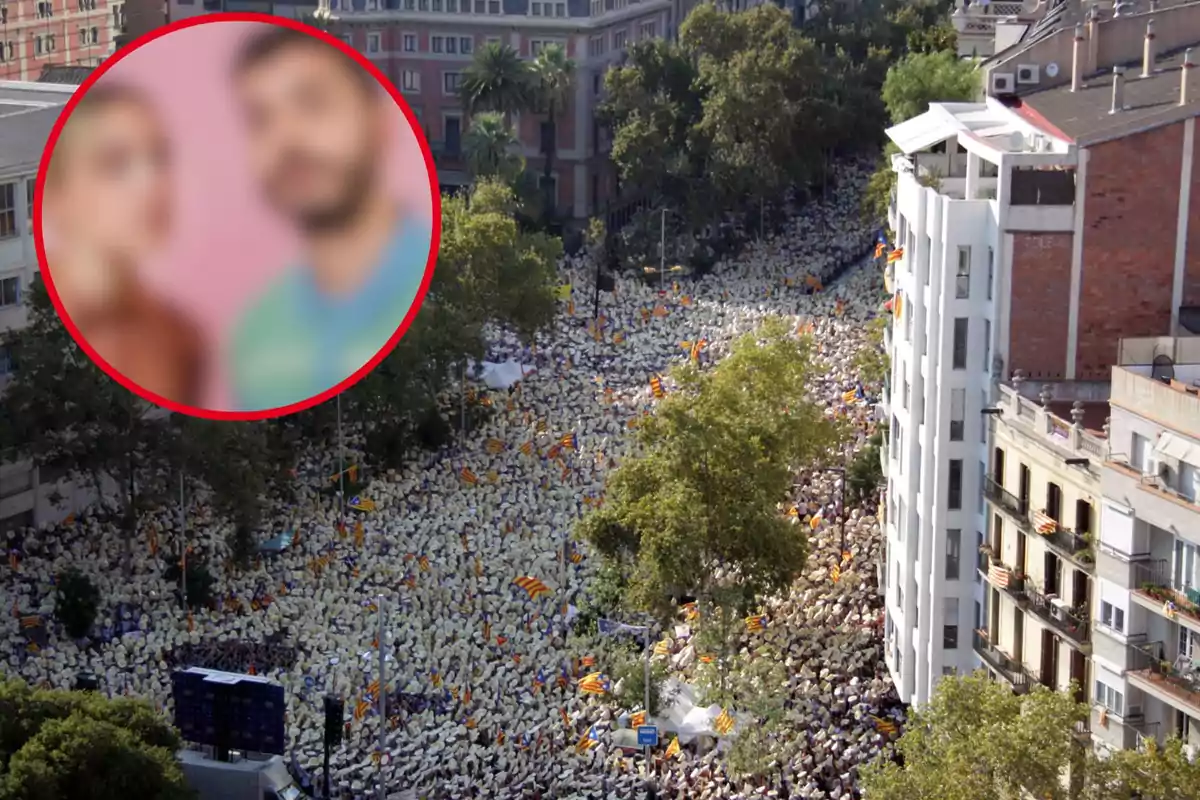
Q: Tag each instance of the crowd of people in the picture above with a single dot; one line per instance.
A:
(481, 673)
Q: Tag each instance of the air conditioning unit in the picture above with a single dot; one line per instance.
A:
(1028, 73)
(1002, 83)
(1150, 467)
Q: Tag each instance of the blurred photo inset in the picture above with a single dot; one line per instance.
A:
(236, 217)
(107, 197)
(317, 128)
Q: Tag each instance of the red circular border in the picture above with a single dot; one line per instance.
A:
(435, 202)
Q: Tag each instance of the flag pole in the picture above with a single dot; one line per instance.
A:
(341, 466)
(646, 693)
(382, 698)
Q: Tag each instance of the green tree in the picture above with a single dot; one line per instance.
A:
(81, 745)
(499, 80)
(919, 79)
(76, 602)
(492, 149)
(695, 513)
(1154, 773)
(871, 362)
(553, 80)
(864, 475)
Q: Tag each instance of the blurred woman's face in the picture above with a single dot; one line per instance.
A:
(110, 195)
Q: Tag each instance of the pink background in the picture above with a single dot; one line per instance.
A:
(228, 245)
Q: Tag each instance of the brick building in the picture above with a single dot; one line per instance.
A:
(1039, 227)
(38, 33)
(423, 47)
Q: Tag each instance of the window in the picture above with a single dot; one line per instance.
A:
(410, 80)
(8, 210)
(982, 567)
(6, 52)
(437, 44)
(410, 43)
(1112, 616)
(1139, 452)
(908, 323)
(10, 291)
(597, 7)
(1083, 517)
(1110, 698)
(1189, 478)
(8, 361)
(452, 6)
(44, 9)
(926, 265)
(954, 501)
(373, 42)
(466, 45)
(30, 190)
(1186, 566)
(962, 278)
(953, 553)
(560, 9)
(87, 5)
(452, 133)
(1054, 497)
(991, 274)
(50, 43)
(535, 9)
(648, 29)
(987, 345)
(451, 45)
(950, 624)
(37, 45)
(596, 46)
(493, 7)
(958, 410)
(451, 81)
(619, 38)
(538, 45)
(959, 356)
(904, 396)
(980, 506)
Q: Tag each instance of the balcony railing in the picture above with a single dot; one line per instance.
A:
(1062, 538)
(1153, 580)
(1001, 662)
(1062, 433)
(1003, 498)
(1066, 621)
(1148, 662)
(1009, 580)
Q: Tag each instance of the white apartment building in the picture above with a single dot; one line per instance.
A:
(963, 183)
(27, 115)
(1146, 657)
(1038, 556)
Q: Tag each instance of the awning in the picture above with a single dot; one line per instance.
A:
(924, 130)
(1178, 448)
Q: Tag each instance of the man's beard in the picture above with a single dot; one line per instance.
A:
(345, 209)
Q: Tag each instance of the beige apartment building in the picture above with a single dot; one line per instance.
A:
(1037, 559)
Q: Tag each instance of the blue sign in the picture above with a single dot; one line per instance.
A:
(647, 736)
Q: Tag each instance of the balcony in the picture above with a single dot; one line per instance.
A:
(1061, 538)
(1005, 500)
(1007, 579)
(1173, 683)
(1050, 609)
(1004, 664)
(1156, 591)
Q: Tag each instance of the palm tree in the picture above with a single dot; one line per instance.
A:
(554, 77)
(497, 80)
(491, 148)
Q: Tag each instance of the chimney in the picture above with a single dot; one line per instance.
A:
(1148, 53)
(1076, 67)
(1183, 76)
(1118, 96)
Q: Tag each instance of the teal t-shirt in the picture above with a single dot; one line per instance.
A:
(296, 341)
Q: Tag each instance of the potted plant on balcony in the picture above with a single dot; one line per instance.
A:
(1165, 667)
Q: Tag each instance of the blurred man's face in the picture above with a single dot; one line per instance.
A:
(316, 134)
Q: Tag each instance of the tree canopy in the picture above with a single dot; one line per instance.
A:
(81, 745)
(696, 513)
(919, 79)
(991, 744)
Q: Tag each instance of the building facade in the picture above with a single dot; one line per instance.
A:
(1037, 558)
(1038, 228)
(28, 496)
(1147, 643)
(38, 33)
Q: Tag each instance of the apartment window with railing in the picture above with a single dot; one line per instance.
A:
(962, 276)
(958, 358)
(958, 410)
(954, 499)
(950, 623)
(953, 553)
